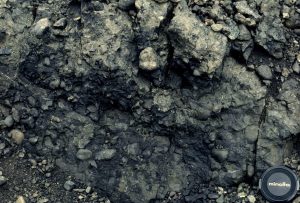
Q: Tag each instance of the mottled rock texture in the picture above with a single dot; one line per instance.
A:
(213, 99)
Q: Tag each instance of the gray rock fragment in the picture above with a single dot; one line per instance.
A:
(194, 41)
(17, 136)
(61, 23)
(265, 72)
(147, 20)
(69, 185)
(3, 180)
(148, 59)
(9, 121)
(41, 26)
(106, 154)
(270, 35)
(84, 154)
(296, 67)
(245, 10)
(220, 154)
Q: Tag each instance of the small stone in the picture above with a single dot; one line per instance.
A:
(106, 154)
(17, 136)
(47, 61)
(3, 180)
(69, 185)
(265, 72)
(88, 189)
(41, 26)
(220, 154)
(220, 199)
(43, 200)
(217, 27)
(84, 154)
(133, 149)
(213, 196)
(54, 84)
(9, 121)
(20, 200)
(251, 199)
(15, 114)
(33, 140)
(148, 59)
(61, 23)
(296, 67)
(250, 170)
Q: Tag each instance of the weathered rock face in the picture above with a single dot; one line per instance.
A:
(143, 98)
(194, 41)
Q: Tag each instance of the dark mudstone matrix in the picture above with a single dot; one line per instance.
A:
(146, 100)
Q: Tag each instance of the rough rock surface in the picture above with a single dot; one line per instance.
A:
(146, 100)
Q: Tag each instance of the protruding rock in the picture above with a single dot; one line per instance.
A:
(61, 23)
(148, 59)
(3, 180)
(69, 185)
(146, 8)
(41, 26)
(270, 35)
(217, 27)
(196, 43)
(20, 200)
(296, 67)
(17, 136)
(9, 121)
(265, 72)
(220, 154)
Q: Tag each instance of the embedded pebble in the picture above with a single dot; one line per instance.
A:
(84, 154)
(9, 121)
(251, 198)
(69, 185)
(20, 200)
(106, 154)
(3, 180)
(265, 72)
(41, 26)
(148, 59)
(17, 136)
